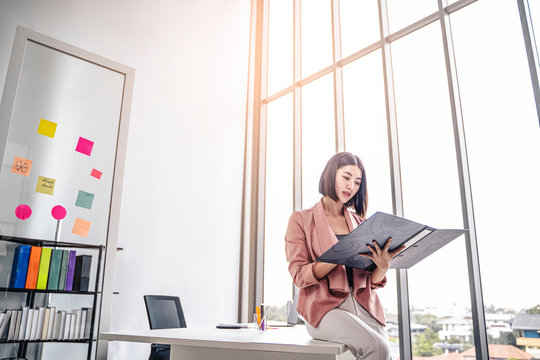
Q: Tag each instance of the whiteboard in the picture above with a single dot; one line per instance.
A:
(65, 120)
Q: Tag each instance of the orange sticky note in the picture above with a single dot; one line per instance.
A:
(46, 128)
(81, 227)
(21, 166)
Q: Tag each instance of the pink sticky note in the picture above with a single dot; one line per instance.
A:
(58, 212)
(84, 146)
(96, 173)
(23, 211)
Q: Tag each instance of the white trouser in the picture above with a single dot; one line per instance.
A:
(352, 325)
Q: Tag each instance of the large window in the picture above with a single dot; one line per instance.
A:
(440, 108)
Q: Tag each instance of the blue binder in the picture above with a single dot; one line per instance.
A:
(20, 266)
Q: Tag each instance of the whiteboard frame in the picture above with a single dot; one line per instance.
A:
(22, 37)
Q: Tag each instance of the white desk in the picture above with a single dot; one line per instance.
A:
(239, 344)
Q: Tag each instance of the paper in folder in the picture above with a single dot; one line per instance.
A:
(419, 240)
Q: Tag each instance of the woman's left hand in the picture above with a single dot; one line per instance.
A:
(382, 257)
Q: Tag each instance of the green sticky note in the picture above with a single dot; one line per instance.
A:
(84, 199)
(46, 128)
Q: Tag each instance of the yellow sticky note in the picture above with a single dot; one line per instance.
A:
(45, 185)
(47, 128)
(81, 227)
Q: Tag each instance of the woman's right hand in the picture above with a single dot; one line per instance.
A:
(321, 269)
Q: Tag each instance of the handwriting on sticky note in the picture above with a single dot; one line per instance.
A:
(21, 166)
(85, 199)
(81, 227)
(45, 185)
(84, 146)
(96, 173)
(46, 128)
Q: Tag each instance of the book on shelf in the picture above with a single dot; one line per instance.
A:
(67, 326)
(46, 318)
(20, 266)
(24, 321)
(63, 270)
(35, 322)
(40, 322)
(84, 314)
(62, 325)
(89, 311)
(81, 276)
(70, 270)
(12, 324)
(54, 269)
(5, 324)
(2, 316)
(33, 267)
(50, 329)
(78, 320)
(29, 322)
(72, 326)
(57, 325)
(43, 273)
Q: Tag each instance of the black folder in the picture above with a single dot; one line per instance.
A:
(420, 241)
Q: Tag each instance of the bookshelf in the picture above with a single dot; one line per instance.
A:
(29, 296)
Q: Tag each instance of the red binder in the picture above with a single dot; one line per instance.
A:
(33, 267)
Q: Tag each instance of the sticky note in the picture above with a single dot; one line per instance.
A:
(84, 146)
(21, 166)
(45, 185)
(84, 199)
(96, 173)
(23, 211)
(81, 227)
(58, 212)
(46, 128)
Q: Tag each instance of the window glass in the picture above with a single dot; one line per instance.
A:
(403, 13)
(503, 146)
(278, 205)
(318, 135)
(438, 285)
(316, 35)
(280, 45)
(359, 25)
(366, 135)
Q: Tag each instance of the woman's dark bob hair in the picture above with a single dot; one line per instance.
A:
(327, 183)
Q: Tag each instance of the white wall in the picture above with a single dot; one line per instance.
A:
(180, 220)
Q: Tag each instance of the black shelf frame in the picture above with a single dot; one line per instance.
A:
(31, 293)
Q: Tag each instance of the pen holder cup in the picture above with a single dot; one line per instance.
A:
(259, 326)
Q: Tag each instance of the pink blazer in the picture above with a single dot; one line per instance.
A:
(308, 236)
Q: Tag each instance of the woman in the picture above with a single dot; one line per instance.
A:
(338, 303)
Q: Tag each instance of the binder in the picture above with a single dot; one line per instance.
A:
(54, 269)
(63, 270)
(70, 271)
(420, 241)
(20, 267)
(33, 267)
(43, 273)
(81, 277)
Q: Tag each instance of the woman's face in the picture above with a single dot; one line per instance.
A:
(348, 179)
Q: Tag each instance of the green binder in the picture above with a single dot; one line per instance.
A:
(43, 272)
(54, 269)
(63, 270)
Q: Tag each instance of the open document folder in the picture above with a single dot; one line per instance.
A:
(419, 240)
